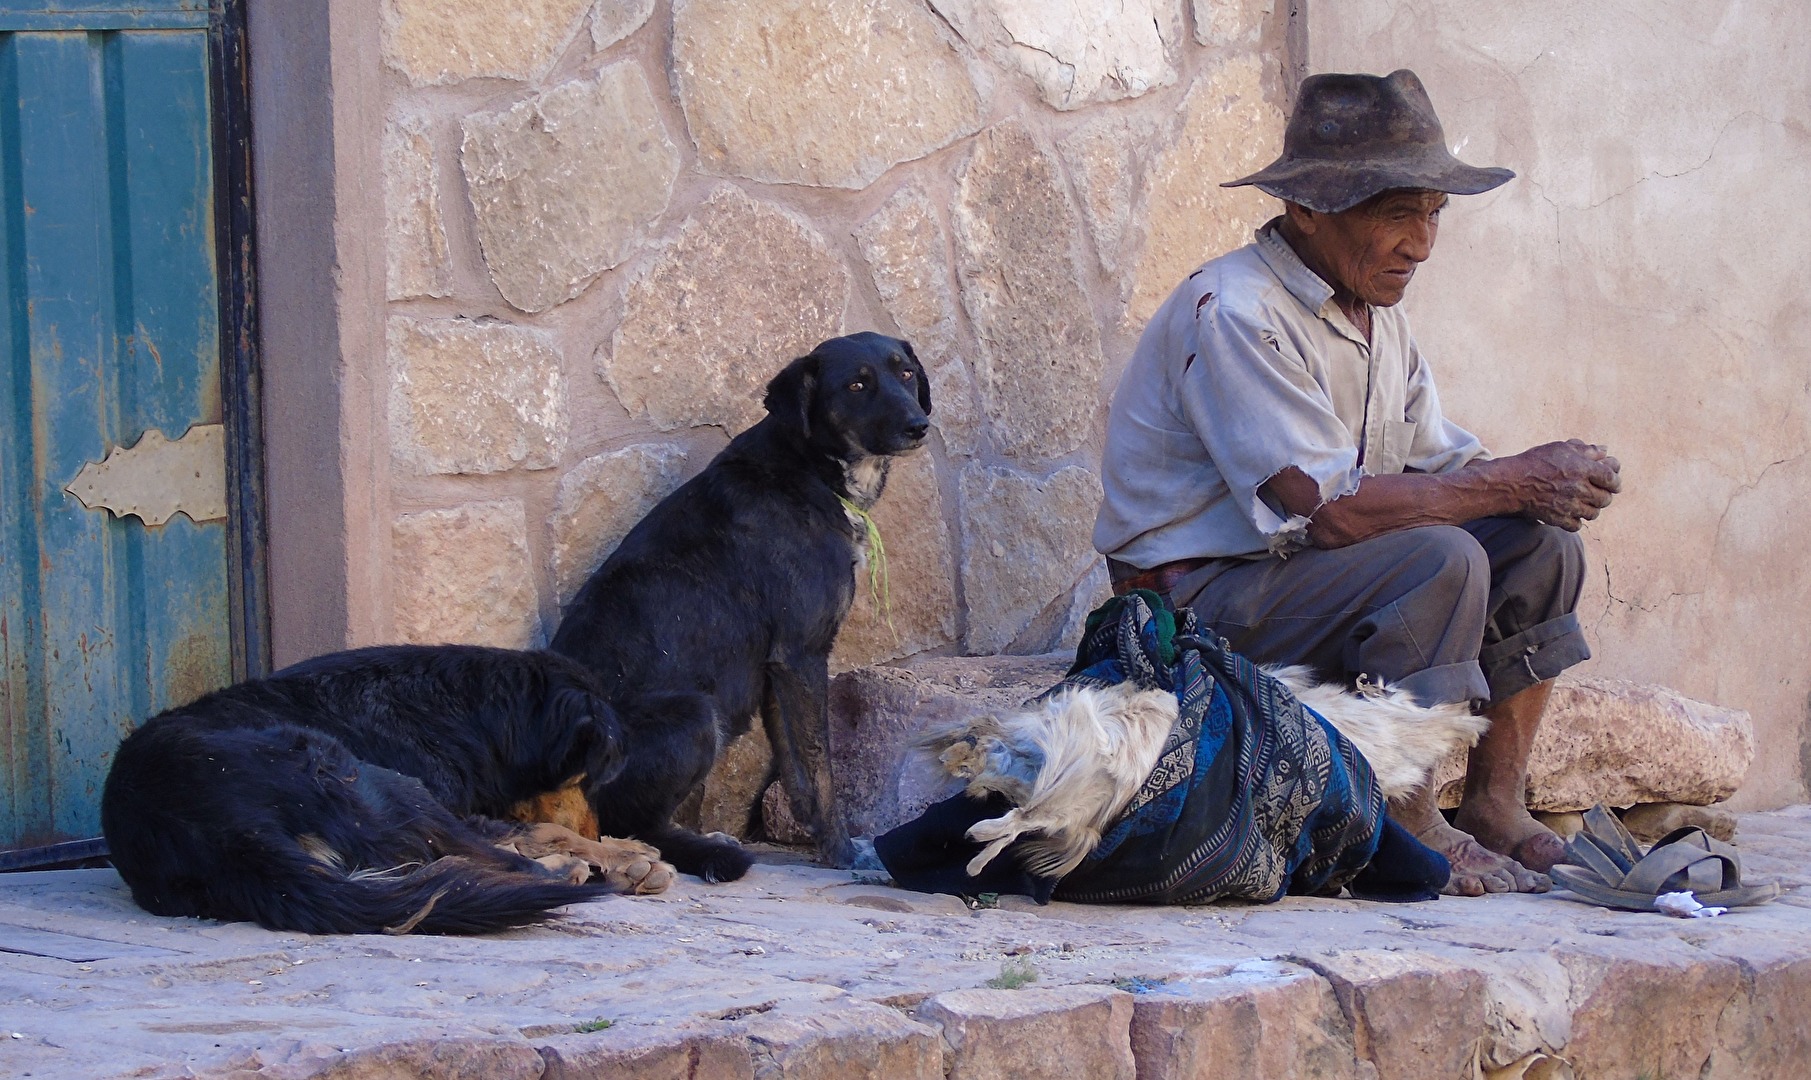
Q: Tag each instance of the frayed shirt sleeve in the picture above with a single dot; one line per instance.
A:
(1257, 410)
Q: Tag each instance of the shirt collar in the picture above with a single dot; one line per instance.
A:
(1304, 284)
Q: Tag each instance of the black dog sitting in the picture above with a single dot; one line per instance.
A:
(725, 600)
(332, 797)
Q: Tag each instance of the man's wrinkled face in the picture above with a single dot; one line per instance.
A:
(1372, 250)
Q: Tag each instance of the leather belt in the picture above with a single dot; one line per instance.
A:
(1159, 579)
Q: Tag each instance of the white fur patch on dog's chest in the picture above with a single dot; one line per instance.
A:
(863, 479)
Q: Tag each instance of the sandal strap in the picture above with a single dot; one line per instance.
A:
(1602, 824)
(1658, 867)
(1587, 851)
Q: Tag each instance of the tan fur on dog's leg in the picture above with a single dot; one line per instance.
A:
(574, 869)
(628, 866)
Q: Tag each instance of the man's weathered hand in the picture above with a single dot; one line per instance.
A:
(1565, 483)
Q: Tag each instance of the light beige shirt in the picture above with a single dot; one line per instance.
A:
(1250, 367)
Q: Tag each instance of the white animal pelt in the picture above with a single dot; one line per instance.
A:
(1071, 763)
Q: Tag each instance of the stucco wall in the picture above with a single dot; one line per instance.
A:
(1641, 283)
(609, 221)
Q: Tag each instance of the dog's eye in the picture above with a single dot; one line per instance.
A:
(906, 375)
(857, 386)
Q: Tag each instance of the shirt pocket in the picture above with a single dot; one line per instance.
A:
(1398, 441)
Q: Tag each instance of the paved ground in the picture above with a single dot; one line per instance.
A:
(798, 971)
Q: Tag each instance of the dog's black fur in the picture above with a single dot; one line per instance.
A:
(732, 590)
(331, 797)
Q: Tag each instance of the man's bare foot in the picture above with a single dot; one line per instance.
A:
(1476, 869)
(1512, 831)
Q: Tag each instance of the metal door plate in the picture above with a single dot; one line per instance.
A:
(158, 479)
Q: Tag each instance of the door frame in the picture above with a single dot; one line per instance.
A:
(241, 390)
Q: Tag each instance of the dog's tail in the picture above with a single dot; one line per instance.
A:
(1402, 740)
(451, 895)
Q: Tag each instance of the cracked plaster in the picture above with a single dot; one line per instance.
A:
(1626, 288)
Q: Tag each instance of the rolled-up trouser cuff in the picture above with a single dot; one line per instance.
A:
(1443, 685)
(1535, 655)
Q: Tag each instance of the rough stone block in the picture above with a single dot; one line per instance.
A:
(1025, 546)
(466, 576)
(642, 1053)
(1106, 158)
(1082, 1032)
(1763, 1035)
(444, 41)
(1646, 1006)
(778, 822)
(1651, 821)
(600, 500)
(1040, 363)
(1076, 54)
(876, 712)
(1623, 743)
(1412, 1014)
(742, 290)
(846, 1038)
(566, 183)
(414, 236)
(908, 255)
(817, 91)
(1260, 1019)
(471, 397)
(448, 1058)
(1225, 129)
(614, 20)
(1228, 23)
(912, 606)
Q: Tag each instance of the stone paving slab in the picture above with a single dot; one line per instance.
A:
(798, 971)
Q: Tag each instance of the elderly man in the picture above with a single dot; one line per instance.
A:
(1277, 459)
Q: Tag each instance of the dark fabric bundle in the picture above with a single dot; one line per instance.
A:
(1253, 796)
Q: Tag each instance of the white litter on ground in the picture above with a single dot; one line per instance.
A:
(1683, 905)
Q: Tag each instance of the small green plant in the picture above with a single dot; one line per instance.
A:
(985, 901)
(1014, 973)
(599, 1024)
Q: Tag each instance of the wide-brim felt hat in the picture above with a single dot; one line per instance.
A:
(1353, 136)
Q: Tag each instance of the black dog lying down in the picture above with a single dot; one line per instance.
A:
(332, 797)
(732, 590)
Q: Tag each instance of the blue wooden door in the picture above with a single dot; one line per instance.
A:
(112, 330)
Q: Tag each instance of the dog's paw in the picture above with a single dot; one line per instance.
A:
(629, 866)
(575, 870)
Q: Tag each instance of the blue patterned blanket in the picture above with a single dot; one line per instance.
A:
(1254, 796)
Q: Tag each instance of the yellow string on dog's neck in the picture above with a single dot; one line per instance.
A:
(880, 585)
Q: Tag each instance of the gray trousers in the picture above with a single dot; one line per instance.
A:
(1448, 613)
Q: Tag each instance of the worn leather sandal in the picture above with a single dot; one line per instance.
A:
(1604, 865)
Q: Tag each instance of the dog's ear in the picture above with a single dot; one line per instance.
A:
(595, 733)
(789, 394)
(924, 384)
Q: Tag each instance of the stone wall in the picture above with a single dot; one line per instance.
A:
(1641, 283)
(610, 221)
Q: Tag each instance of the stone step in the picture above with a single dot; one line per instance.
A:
(803, 972)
